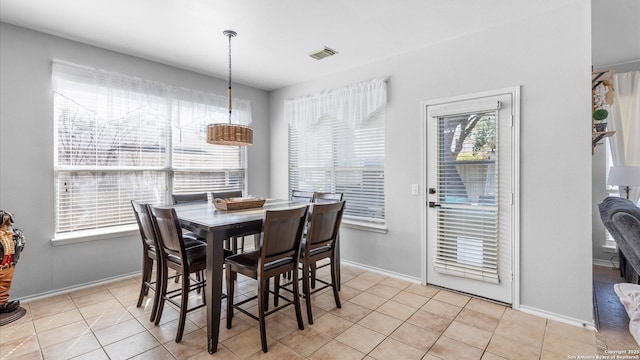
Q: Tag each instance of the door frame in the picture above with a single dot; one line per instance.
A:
(515, 168)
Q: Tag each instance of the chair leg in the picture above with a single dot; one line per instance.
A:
(265, 304)
(230, 290)
(256, 241)
(334, 282)
(276, 290)
(313, 275)
(184, 302)
(296, 299)
(157, 297)
(242, 244)
(162, 289)
(234, 245)
(200, 277)
(306, 291)
(147, 268)
(261, 310)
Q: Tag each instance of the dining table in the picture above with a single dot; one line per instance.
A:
(206, 221)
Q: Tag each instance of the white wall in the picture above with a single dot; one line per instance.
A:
(26, 155)
(549, 55)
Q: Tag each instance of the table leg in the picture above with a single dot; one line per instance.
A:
(215, 261)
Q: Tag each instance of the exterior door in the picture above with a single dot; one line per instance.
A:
(470, 195)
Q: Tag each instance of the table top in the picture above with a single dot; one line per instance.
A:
(204, 215)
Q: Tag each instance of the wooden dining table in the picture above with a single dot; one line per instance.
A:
(215, 226)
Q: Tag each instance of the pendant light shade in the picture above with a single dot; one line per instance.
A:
(229, 134)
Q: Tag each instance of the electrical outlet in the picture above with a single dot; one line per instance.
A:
(415, 189)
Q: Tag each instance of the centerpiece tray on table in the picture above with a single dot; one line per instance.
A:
(249, 202)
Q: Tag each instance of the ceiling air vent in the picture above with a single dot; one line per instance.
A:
(321, 54)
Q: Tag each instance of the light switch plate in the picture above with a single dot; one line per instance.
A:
(415, 189)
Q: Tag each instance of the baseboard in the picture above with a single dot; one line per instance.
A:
(47, 294)
(606, 263)
(525, 309)
(382, 271)
(557, 317)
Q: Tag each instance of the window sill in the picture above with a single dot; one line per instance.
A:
(92, 235)
(132, 230)
(365, 226)
(610, 248)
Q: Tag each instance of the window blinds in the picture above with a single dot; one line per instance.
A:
(338, 151)
(119, 138)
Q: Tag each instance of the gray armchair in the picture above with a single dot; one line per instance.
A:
(621, 217)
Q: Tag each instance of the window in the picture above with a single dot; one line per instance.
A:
(337, 149)
(119, 138)
(612, 190)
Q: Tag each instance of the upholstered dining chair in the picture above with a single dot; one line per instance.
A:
(150, 254)
(279, 253)
(175, 255)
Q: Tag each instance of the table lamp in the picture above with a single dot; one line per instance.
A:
(626, 176)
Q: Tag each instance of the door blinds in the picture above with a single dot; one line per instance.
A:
(467, 216)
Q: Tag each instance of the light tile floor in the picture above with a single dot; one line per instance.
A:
(381, 318)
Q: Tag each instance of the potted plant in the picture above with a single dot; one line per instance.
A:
(600, 117)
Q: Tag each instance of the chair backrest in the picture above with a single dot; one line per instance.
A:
(282, 234)
(168, 232)
(326, 197)
(301, 196)
(324, 225)
(187, 198)
(227, 194)
(143, 218)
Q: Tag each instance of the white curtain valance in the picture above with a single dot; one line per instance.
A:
(352, 104)
(87, 86)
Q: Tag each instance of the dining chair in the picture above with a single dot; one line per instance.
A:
(279, 253)
(175, 255)
(320, 243)
(324, 198)
(150, 254)
(234, 240)
(227, 194)
(189, 198)
(301, 196)
(185, 199)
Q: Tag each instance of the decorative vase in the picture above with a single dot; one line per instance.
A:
(601, 126)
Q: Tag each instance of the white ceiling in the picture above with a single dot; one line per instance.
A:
(274, 37)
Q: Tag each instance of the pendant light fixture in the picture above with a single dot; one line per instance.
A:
(229, 134)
